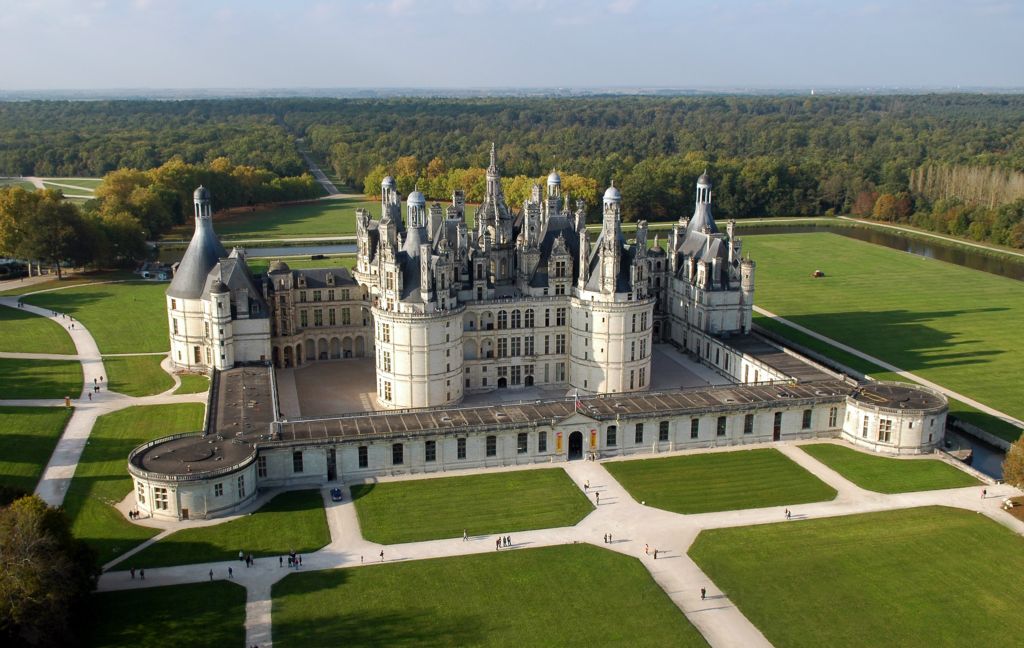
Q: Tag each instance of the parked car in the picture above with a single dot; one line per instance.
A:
(335, 494)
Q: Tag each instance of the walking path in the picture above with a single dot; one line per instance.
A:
(320, 176)
(891, 367)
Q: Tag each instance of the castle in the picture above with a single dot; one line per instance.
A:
(515, 300)
(520, 299)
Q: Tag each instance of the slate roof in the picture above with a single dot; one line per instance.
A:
(202, 254)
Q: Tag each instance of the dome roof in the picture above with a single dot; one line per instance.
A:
(416, 198)
(278, 266)
(554, 178)
(612, 194)
(388, 181)
(201, 193)
(218, 287)
(704, 179)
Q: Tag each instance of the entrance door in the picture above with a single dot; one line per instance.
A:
(575, 445)
(184, 514)
(502, 383)
(332, 465)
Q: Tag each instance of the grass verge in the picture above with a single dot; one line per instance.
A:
(137, 375)
(192, 384)
(28, 436)
(40, 378)
(23, 332)
(888, 475)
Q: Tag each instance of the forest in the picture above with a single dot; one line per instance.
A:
(949, 162)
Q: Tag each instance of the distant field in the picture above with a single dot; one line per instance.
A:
(16, 182)
(922, 577)
(570, 595)
(28, 436)
(261, 264)
(503, 502)
(719, 481)
(80, 186)
(943, 322)
(123, 317)
(24, 332)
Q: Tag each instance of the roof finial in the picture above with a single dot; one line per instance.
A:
(494, 157)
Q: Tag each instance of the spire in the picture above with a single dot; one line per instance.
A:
(493, 168)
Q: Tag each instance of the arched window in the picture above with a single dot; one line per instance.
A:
(529, 318)
(515, 318)
(502, 319)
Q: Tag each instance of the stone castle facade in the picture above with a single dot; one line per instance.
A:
(448, 308)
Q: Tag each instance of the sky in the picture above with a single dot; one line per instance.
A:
(104, 44)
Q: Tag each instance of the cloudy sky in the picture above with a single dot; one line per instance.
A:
(101, 44)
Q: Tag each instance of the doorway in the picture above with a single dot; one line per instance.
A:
(502, 383)
(575, 445)
(332, 465)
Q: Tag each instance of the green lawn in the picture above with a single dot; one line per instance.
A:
(888, 475)
(102, 479)
(123, 317)
(919, 577)
(74, 280)
(943, 322)
(16, 182)
(293, 520)
(137, 375)
(23, 332)
(428, 509)
(570, 595)
(40, 378)
(203, 614)
(259, 265)
(28, 436)
(719, 481)
(192, 384)
(87, 185)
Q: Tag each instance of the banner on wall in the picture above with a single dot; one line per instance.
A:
(558, 442)
(593, 439)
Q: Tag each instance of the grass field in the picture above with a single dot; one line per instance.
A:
(293, 520)
(102, 480)
(571, 595)
(919, 577)
(16, 182)
(23, 332)
(28, 436)
(719, 481)
(887, 475)
(87, 185)
(204, 614)
(192, 384)
(22, 288)
(943, 322)
(428, 509)
(259, 265)
(40, 378)
(137, 375)
(122, 317)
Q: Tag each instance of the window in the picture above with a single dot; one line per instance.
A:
(528, 345)
(885, 430)
(397, 454)
(634, 322)
(140, 493)
(385, 332)
(218, 490)
(492, 446)
(318, 317)
(303, 318)
(174, 324)
(611, 435)
(515, 319)
(559, 317)
(694, 428)
(332, 317)
(720, 430)
(528, 320)
(833, 414)
(385, 361)
(748, 424)
(330, 295)
(643, 376)
(297, 461)
(542, 439)
(430, 451)
(864, 428)
(638, 434)
(522, 443)
(241, 486)
(547, 346)
(316, 295)
(302, 295)
(663, 431)
(387, 390)
(502, 319)
(560, 343)
(174, 304)
(460, 448)
(160, 498)
(346, 317)
(515, 347)
(502, 347)
(777, 424)
(807, 419)
(261, 466)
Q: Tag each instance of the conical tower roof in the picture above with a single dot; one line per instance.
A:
(203, 253)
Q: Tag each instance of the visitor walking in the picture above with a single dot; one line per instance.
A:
(497, 544)
(655, 553)
(509, 539)
(597, 496)
(586, 486)
(132, 570)
(609, 538)
(787, 514)
(211, 574)
(241, 555)
(465, 535)
(606, 538)
(280, 561)
(647, 550)
(703, 593)
(142, 574)
(984, 492)
(382, 555)
(231, 573)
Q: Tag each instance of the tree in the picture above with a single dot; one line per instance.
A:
(46, 575)
(1013, 464)
(41, 225)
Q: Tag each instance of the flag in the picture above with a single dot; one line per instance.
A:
(579, 403)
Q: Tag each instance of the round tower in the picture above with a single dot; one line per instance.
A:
(419, 358)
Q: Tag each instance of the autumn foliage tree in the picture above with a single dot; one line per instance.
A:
(1013, 464)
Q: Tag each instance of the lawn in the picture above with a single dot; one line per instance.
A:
(137, 375)
(429, 509)
(74, 280)
(293, 520)
(23, 332)
(259, 265)
(40, 378)
(941, 321)
(17, 182)
(570, 595)
(123, 317)
(919, 577)
(102, 480)
(719, 481)
(888, 475)
(87, 185)
(192, 384)
(203, 614)
(28, 436)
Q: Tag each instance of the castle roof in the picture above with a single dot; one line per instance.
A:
(202, 254)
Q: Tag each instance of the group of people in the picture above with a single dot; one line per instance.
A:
(294, 560)
(247, 558)
(142, 573)
(133, 515)
(502, 541)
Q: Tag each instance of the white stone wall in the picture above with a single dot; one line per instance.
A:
(189, 315)
(198, 498)
(608, 353)
(909, 431)
(425, 354)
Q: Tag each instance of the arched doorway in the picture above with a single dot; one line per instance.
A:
(335, 348)
(322, 346)
(575, 445)
(288, 361)
(528, 381)
(502, 383)
(275, 357)
(298, 354)
(360, 346)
